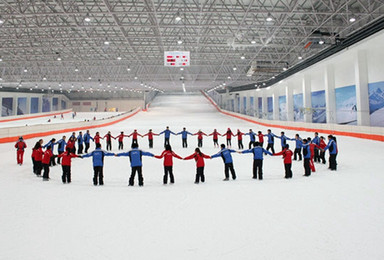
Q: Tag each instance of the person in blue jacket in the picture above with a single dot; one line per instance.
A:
(299, 145)
(98, 163)
(258, 152)
(80, 141)
(252, 138)
(283, 139)
(61, 147)
(271, 140)
(87, 139)
(228, 162)
(316, 141)
(135, 156)
(307, 157)
(184, 134)
(167, 134)
(332, 147)
(51, 144)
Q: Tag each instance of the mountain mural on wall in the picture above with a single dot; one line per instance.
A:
(376, 103)
(319, 114)
(346, 109)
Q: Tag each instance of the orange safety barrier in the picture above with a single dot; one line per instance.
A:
(304, 129)
(31, 117)
(34, 135)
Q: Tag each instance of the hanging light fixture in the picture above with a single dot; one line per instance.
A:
(87, 18)
(178, 17)
(179, 41)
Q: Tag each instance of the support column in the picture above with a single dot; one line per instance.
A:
(1, 103)
(275, 100)
(330, 95)
(307, 102)
(28, 110)
(14, 106)
(289, 97)
(362, 95)
(265, 104)
(40, 104)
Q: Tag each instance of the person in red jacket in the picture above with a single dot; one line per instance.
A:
(229, 135)
(150, 135)
(20, 146)
(45, 162)
(120, 138)
(322, 146)
(71, 144)
(37, 156)
(261, 138)
(108, 137)
(66, 164)
(134, 135)
(199, 158)
(97, 138)
(240, 139)
(287, 155)
(312, 147)
(200, 138)
(168, 154)
(215, 135)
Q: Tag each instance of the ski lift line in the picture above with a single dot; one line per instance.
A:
(375, 137)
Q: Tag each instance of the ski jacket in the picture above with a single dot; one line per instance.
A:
(229, 134)
(239, 136)
(70, 144)
(306, 151)
(332, 147)
(252, 136)
(257, 152)
(271, 139)
(299, 142)
(200, 135)
(322, 144)
(51, 144)
(134, 135)
(316, 140)
(108, 137)
(47, 157)
(215, 135)
(80, 139)
(20, 146)
(167, 133)
(312, 147)
(135, 156)
(98, 156)
(121, 137)
(96, 139)
(168, 155)
(199, 158)
(37, 154)
(150, 135)
(261, 138)
(225, 154)
(283, 140)
(67, 158)
(184, 134)
(87, 138)
(61, 145)
(287, 155)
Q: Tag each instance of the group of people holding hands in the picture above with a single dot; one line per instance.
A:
(312, 150)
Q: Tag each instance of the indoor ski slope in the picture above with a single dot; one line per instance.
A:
(330, 215)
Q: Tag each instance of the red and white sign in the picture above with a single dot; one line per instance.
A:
(176, 58)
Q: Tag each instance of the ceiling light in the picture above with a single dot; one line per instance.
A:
(269, 18)
(72, 86)
(253, 41)
(59, 84)
(273, 77)
(17, 87)
(106, 42)
(44, 78)
(135, 77)
(284, 68)
(119, 58)
(181, 69)
(1, 59)
(268, 87)
(35, 86)
(90, 78)
(76, 69)
(300, 58)
(59, 58)
(25, 70)
(1, 79)
(234, 68)
(229, 77)
(87, 18)
(242, 57)
(179, 41)
(178, 17)
(264, 84)
(352, 19)
(128, 69)
(321, 42)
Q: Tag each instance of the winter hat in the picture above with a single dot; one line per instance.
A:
(20, 138)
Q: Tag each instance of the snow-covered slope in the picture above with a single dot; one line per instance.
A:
(331, 215)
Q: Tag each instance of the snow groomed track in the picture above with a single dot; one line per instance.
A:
(331, 215)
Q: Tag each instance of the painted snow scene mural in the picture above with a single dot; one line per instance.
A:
(346, 110)
(319, 114)
(283, 108)
(376, 103)
(298, 114)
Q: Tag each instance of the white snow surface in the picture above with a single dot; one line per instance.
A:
(330, 215)
(80, 116)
